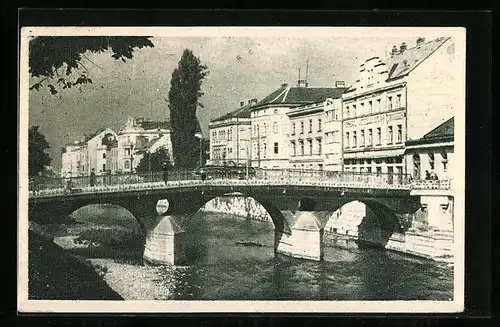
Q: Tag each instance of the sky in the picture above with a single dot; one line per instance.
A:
(241, 68)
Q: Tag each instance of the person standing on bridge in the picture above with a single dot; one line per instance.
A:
(164, 166)
(92, 177)
(68, 181)
(427, 175)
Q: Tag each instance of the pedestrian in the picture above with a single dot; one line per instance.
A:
(68, 181)
(92, 178)
(203, 175)
(434, 176)
(164, 166)
(427, 175)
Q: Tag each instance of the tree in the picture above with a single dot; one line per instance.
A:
(185, 91)
(155, 160)
(48, 54)
(37, 157)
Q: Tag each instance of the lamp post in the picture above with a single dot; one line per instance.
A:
(200, 137)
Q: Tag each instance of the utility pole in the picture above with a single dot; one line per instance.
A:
(237, 141)
(258, 145)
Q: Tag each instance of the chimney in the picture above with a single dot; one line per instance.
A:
(403, 47)
(339, 84)
(284, 85)
(394, 50)
(420, 41)
(242, 103)
(252, 102)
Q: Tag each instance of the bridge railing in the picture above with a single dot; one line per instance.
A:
(259, 176)
(445, 184)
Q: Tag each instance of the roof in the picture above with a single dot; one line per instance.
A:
(92, 135)
(443, 132)
(301, 95)
(401, 64)
(150, 124)
(242, 112)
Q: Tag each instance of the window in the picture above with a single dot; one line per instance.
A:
(416, 166)
(301, 148)
(362, 109)
(379, 135)
(103, 167)
(347, 140)
(319, 125)
(301, 127)
(347, 113)
(354, 110)
(275, 127)
(127, 152)
(378, 170)
(431, 160)
(377, 105)
(275, 111)
(398, 101)
(265, 150)
(370, 137)
(444, 160)
(320, 166)
(294, 148)
(265, 129)
(310, 147)
(104, 155)
(399, 137)
(310, 125)
(320, 149)
(276, 148)
(230, 134)
(337, 111)
(370, 107)
(354, 140)
(362, 137)
(126, 164)
(293, 128)
(389, 103)
(389, 135)
(83, 168)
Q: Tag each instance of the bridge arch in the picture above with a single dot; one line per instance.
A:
(371, 221)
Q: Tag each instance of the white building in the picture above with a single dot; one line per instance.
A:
(271, 128)
(396, 100)
(97, 151)
(230, 136)
(315, 141)
(138, 136)
(433, 152)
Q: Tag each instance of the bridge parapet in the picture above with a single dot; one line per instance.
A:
(265, 177)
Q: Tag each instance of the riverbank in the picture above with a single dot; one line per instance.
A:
(54, 274)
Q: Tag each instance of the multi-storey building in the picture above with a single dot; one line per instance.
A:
(230, 136)
(397, 100)
(432, 153)
(134, 140)
(271, 128)
(315, 141)
(97, 152)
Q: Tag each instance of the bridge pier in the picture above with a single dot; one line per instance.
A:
(165, 243)
(305, 239)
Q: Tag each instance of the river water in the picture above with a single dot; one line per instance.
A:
(220, 269)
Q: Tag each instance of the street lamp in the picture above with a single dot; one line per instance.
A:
(199, 136)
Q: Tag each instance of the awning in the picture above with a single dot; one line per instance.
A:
(374, 154)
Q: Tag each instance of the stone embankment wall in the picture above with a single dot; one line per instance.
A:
(240, 206)
(342, 229)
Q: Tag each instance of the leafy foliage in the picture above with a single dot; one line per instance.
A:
(158, 158)
(48, 54)
(37, 157)
(185, 91)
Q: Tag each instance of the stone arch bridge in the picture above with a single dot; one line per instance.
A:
(299, 209)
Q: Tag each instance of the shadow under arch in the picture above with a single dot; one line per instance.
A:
(377, 224)
(277, 217)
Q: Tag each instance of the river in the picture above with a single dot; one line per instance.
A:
(220, 269)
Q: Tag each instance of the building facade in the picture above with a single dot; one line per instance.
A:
(271, 127)
(230, 136)
(432, 153)
(315, 137)
(395, 100)
(97, 152)
(135, 138)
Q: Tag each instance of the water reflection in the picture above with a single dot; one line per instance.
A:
(232, 258)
